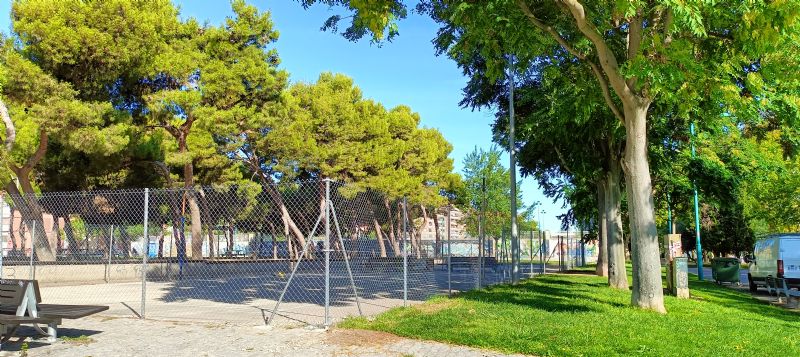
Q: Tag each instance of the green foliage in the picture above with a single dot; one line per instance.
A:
(487, 188)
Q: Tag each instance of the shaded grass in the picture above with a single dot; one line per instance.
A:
(571, 314)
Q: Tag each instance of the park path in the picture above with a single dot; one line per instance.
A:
(112, 336)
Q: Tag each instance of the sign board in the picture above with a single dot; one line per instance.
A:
(680, 277)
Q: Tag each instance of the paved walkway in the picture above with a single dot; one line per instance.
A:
(112, 336)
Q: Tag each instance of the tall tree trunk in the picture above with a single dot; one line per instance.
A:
(57, 230)
(424, 227)
(196, 224)
(191, 198)
(207, 221)
(274, 240)
(231, 237)
(32, 214)
(12, 233)
(72, 244)
(392, 238)
(160, 244)
(602, 231)
(647, 289)
(379, 236)
(125, 241)
(289, 226)
(617, 273)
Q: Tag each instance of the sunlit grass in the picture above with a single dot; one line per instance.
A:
(568, 315)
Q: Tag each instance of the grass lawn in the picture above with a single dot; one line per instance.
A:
(573, 315)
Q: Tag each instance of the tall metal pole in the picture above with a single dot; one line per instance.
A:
(146, 247)
(513, 175)
(110, 251)
(669, 215)
(481, 233)
(31, 274)
(697, 216)
(405, 252)
(327, 253)
(449, 254)
(543, 246)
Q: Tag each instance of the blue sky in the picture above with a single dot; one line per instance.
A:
(406, 71)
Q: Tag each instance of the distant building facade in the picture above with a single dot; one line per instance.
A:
(458, 229)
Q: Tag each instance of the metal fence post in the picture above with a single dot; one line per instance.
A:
(480, 254)
(543, 250)
(110, 251)
(530, 251)
(145, 248)
(327, 252)
(405, 251)
(449, 255)
(31, 273)
(583, 250)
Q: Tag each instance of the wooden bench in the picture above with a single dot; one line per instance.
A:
(20, 304)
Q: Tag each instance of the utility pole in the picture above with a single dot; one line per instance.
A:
(513, 173)
(542, 248)
(697, 216)
(669, 215)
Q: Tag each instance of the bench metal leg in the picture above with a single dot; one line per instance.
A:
(52, 332)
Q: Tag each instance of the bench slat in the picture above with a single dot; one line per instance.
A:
(69, 311)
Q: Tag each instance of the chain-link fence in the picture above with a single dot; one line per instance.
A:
(312, 251)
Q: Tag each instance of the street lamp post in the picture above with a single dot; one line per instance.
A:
(697, 216)
(541, 246)
(513, 176)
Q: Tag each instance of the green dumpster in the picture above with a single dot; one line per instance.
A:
(725, 270)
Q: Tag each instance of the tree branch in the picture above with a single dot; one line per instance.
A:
(563, 161)
(607, 59)
(598, 73)
(634, 42)
(11, 131)
(606, 92)
(38, 155)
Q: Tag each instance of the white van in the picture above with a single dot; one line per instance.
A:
(777, 256)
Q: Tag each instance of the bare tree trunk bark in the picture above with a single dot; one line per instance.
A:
(72, 244)
(125, 241)
(392, 237)
(196, 225)
(602, 231)
(379, 235)
(422, 229)
(31, 211)
(647, 289)
(617, 273)
(57, 229)
(13, 233)
(207, 221)
(231, 237)
(274, 240)
(160, 244)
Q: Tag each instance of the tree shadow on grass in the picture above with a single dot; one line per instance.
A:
(743, 301)
(542, 296)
